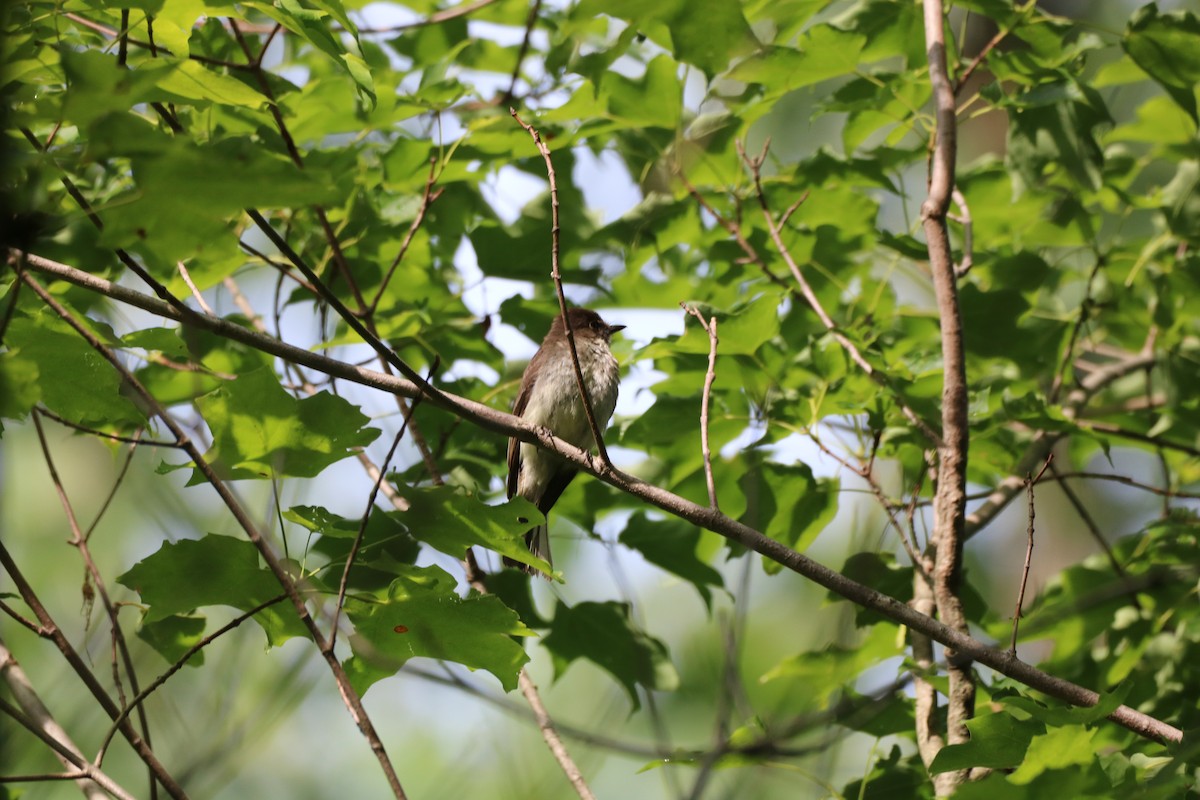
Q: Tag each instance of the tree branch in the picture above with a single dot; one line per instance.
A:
(349, 695)
(755, 165)
(949, 507)
(710, 327)
(38, 719)
(505, 424)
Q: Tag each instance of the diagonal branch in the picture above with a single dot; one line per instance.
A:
(506, 425)
(38, 719)
(773, 226)
(50, 630)
(349, 696)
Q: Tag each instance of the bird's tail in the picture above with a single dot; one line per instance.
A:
(538, 542)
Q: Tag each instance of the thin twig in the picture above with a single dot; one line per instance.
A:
(362, 527)
(112, 437)
(279, 570)
(975, 62)
(79, 540)
(38, 719)
(710, 327)
(530, 22)
(187, 279)
(427, 200)
(1145, 487)
(339, 257)
(755, 163)
(964, 218)
(1086, 516)
(50, 630)
(1085, 307)
(445, 15)
(562, 299)
(550, 735)
(179, 664)
(1029, 484)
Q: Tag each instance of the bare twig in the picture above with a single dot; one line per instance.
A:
(530, 22)
(755, 163)
(445, 15)
(349, 695)
(964, 218)
(553, 740)
(179, 664)
(50, 630)
(710, 327)
(1085, 308)
(507, 425)
(38, 719)
(557, 276)
(362, 528)
(1086, 516)
(1030, 481)
(79, 540)
(187, 279)
(1145, 487)
(975, 62)
(427, 200)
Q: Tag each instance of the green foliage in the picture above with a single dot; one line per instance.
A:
(422, 615)
(604, 634)
(214, 571)
(390, 165)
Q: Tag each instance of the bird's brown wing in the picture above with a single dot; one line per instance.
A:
(514, 444)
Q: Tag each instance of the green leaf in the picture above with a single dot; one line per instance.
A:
(384, 550)
(1181, 201)
(214, 571)
(190, 80)
(1054, 126)
(1167, 47)
(824, 52)
(998, 741)
(313, 26)
(1068, 746)
(423, 616)
(260, 431)
(222, 179)
(707, 33)
(788, 504)
(50, 362)
(671, 544)
(171, 637)
(452, 522)
(604, 634)
(820, 673)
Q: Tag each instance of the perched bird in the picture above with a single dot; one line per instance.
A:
(549, 397)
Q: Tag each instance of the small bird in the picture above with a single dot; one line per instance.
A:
(549, 397)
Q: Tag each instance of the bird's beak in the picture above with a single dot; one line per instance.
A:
(614, 328)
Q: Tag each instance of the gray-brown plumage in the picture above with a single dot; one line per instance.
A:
(549, 397)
